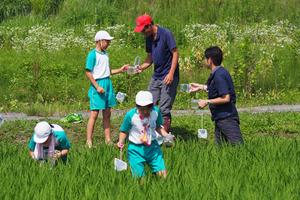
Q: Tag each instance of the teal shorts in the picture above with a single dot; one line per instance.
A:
(139, 155)
(105, 100)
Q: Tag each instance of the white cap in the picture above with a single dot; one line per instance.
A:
(102, 35)
(144, 98)
(41, 132)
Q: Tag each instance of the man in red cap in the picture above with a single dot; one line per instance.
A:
(162, 51)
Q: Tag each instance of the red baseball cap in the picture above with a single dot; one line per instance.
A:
(141, 22)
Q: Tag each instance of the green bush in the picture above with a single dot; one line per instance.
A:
(11, 8)
(45, 8)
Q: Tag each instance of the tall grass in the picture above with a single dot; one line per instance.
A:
(262, 169)
(266, 167)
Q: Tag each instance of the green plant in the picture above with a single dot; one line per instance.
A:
(11, 8)
(45, 7)
(268, 160)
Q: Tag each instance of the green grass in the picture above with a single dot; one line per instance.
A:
(43, 83)
(266, 167)
(55, 80)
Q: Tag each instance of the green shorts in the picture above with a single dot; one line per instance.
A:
(105, 100)
(139, 155)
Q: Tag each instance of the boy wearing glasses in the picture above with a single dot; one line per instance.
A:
(162, 51)
(140, 124)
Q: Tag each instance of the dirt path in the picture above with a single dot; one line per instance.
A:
(260, 109)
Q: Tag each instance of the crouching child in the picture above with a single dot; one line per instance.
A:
(49, 141)
(140, 124)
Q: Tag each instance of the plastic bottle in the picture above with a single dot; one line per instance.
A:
(202, 133)
(185, 87)
(194, 104)
(121, 97)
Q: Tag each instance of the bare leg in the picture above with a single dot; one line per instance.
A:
(90, 127)
(106, 124)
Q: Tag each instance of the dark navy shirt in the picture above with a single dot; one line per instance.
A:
(219, 84)
(161, 51)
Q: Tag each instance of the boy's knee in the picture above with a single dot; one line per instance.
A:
(106, 111)
(106, 115)
(94, 114)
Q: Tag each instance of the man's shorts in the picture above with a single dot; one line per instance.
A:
(105, 100)
(139, 155)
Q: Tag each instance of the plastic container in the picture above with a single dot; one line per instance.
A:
(135, 68)
(52, 162)
(132, 70)
(159, 138)
(120, 165)
(202, 133)
(194, 104)
(169, 140)
(185, 87)
(137, 62)
(121, 97)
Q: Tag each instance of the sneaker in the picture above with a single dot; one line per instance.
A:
(72, 118)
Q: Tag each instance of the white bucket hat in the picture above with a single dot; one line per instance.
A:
(102, 35)
(41, 132)
(144, 98)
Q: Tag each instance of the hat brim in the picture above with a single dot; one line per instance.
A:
(109, 38)
(139, 29)
(40, 140)
(144, 103)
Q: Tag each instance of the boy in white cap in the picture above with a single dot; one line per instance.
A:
(49, 141)
(101, 92)
(140, 124)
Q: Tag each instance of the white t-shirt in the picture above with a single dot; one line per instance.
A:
(98, 63)
(134, 125)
